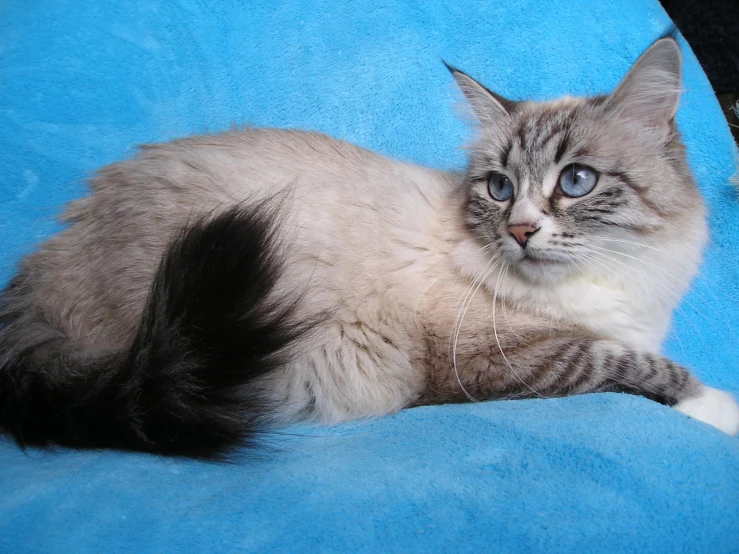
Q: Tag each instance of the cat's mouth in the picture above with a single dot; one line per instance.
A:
(538, 260)
(537, 267)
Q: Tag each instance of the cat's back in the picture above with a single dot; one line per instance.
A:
(187, 177)
(235, 164)
(92, 279)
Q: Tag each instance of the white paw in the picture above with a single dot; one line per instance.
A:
(712, 406)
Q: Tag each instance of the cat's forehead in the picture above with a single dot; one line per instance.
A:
(539, 134)
(535, 125)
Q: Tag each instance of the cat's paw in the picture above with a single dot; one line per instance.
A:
(712, 406)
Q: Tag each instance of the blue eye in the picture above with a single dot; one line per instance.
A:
(577, 180)
(500, 187)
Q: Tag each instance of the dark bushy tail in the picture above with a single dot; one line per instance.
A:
(183, 387)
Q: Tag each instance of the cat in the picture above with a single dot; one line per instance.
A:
(215, 286)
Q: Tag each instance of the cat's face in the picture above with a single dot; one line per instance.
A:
(552, 186)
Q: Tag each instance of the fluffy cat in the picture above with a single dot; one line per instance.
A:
(216, 285)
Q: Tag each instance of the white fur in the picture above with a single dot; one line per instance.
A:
(714, 407)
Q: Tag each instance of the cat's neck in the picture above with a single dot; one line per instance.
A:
(629, 298)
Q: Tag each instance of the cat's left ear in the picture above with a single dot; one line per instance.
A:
(650, 91)
(490, 109)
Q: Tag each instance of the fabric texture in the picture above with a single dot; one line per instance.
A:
(82, 83)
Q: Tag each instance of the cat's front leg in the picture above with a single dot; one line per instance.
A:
(601, 365)
(550, 366)
(712, 406)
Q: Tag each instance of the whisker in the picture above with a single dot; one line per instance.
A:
(666, 274)
(476, 284)
(497, 338)
(428, 288)
(703, 282)
(436, 280)
(672, 332)
(614, 371)
(633, 242)
(505, 310)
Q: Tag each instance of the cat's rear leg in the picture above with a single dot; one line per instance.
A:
(358, 368)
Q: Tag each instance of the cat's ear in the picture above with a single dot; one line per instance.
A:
(489, 108)
(650, 91)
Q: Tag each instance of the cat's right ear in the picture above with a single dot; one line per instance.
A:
(489, 108)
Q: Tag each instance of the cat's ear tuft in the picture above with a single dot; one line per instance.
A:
(489, 108)
(650, 91)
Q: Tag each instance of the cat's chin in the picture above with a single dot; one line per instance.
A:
(543, 270)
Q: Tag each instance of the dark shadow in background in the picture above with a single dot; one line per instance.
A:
(712, 29)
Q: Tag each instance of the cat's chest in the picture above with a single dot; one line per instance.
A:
(606, 309)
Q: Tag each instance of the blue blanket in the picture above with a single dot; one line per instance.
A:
(81, 83)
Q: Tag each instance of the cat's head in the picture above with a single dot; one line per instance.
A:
(551, 186)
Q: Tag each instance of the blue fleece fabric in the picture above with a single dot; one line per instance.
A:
(81, 83)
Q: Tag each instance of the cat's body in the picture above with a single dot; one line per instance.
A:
(378, 285)
(364, 238)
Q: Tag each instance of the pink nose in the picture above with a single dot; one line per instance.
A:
(522, 233)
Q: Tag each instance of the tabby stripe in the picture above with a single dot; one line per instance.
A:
(505, 153)
(563, 147)
(558, 368)
(630, 226)
(565, 358)
(639, 190)
(653, 368)
(579, 364)
(589, 373)
(521, 135)
(555, 128)
(652, 375)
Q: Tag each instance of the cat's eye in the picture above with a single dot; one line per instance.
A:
(577, 180)
(500, 187)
